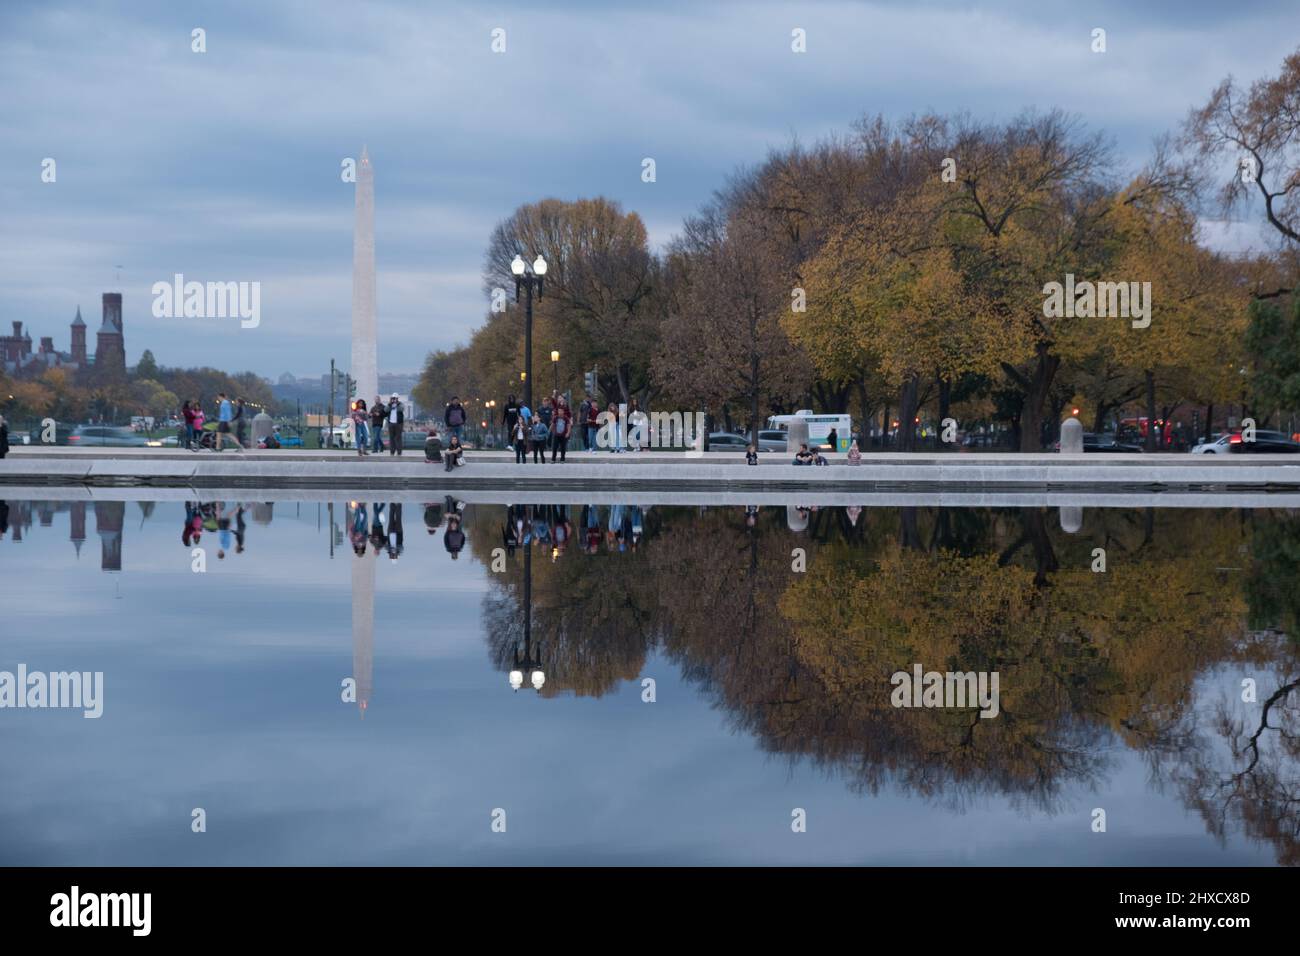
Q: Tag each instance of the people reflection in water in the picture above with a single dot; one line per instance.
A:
(454, 539)
(223, 529)
(432, 516)
(562, 528)
(541, 532)
(357, 530)
(591, 527)
(229, 525)
(193, 529)
(394, 530)
(512, 531)
(377, 528)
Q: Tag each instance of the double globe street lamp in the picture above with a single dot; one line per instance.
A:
(528, 280)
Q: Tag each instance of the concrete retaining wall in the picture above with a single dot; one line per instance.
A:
(645, 472)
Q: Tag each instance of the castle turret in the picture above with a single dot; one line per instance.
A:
(110, 345)
(79, 340)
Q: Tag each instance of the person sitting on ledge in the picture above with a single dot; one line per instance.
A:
(820, 460)
(855, 454)
(453, 453)
(803, 456)
(751, 455)
(433, 446)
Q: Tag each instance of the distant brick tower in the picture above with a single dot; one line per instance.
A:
(110, 345)
(79, 340)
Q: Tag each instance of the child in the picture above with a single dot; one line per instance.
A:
(751, 456)
(855, 455)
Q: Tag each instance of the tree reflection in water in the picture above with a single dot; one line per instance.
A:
(801, 660)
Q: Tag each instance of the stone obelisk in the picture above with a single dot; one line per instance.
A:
(365, 370)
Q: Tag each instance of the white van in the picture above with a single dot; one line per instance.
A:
(819, 428)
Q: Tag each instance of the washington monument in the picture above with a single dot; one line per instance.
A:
(365, 370)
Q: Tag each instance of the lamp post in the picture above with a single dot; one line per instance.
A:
(527, 280)
(555, 366)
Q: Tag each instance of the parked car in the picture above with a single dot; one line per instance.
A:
(727, 441)
(1265, 443)
(1108, 442)
(61, 432)
(106, 435)
(19, 438)
(771, 439)
(1218, 445)
(342, 436)
(1104, 442)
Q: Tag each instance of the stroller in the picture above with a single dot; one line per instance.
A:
(208, 440)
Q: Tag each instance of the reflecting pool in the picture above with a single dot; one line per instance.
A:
(430, 681)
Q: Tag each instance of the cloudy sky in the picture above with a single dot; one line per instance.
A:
(225, 165)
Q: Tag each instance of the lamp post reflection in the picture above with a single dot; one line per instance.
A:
(533, 665)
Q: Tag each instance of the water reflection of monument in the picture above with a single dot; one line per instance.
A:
(363, 604)
(363, 629)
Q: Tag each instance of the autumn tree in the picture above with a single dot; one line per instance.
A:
(599, 283)
(1257, 130)
(723, 342)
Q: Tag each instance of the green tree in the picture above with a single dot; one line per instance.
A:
(147, 367)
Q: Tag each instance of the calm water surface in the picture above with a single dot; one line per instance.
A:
(769, 636)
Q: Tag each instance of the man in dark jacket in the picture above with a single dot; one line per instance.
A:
(378, 414)
(396, 416)
(510, 415)
(4, 437)
(454, 417)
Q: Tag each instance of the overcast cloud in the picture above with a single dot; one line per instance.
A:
(225, 165)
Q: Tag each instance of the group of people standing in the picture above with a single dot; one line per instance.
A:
(368, 425)
(552, 426)
(549, 428)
